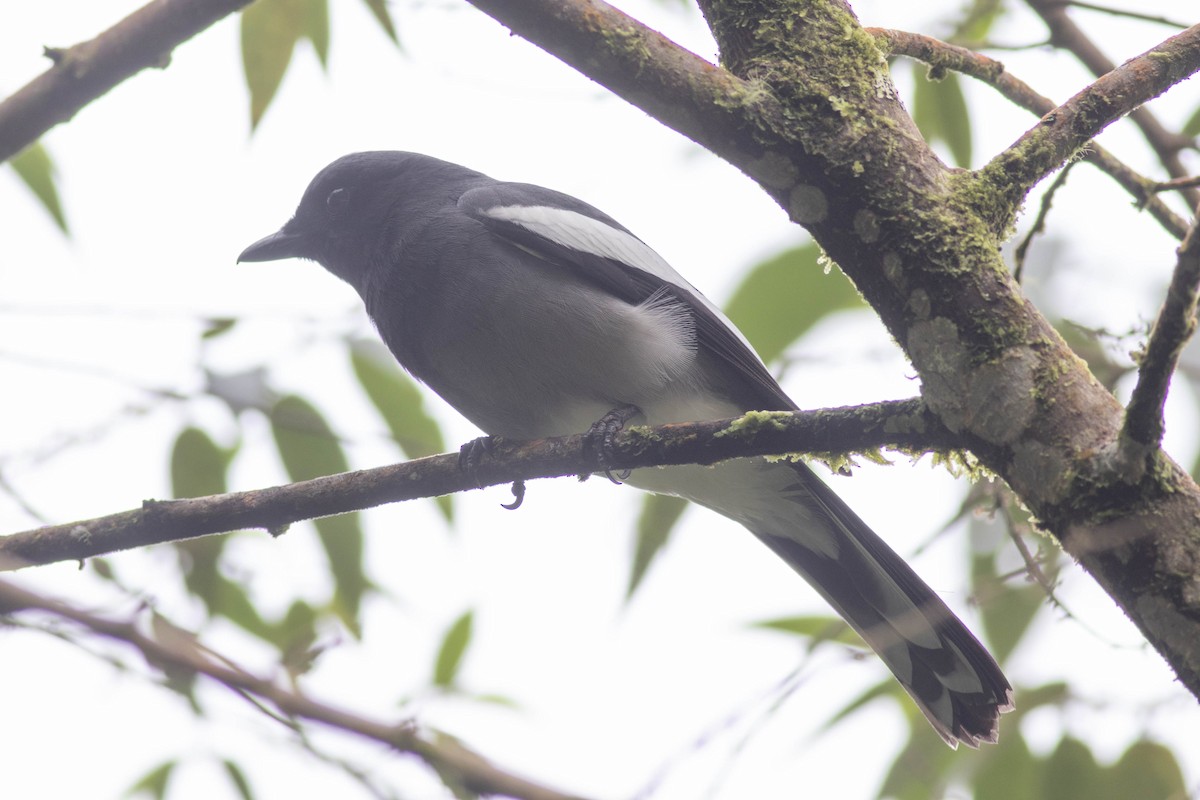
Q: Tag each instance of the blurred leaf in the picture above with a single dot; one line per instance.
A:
(270, 30)
(818, 628)
(1009, 770)
(238, 778)
(383, 16)
(888, 687)
(35, 168)
(309, 450)
(940, 111)
(198, 465)
(450, 655)
(295, 636)
(1071, 773)
(1006, 607)
(920, 770)
(1086, 344)
(229, 599)
(785, 296)
(154, 782)
(1192, 126)
(316, 29)
(216, 326)
(1049, 694)
(657, 519)
(975, 24)
(401, 405)
(1147, 769)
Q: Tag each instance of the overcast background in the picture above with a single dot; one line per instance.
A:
(164, 185)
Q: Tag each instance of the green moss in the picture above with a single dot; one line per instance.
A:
(754, 421)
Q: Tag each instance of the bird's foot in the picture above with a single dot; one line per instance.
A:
(599, 439)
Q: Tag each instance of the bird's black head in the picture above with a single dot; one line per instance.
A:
(353, 204)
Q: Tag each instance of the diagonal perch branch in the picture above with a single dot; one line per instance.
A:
(180, 653)
(84, 72)
(905, 424)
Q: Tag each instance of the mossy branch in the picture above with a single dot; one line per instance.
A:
(906, 424)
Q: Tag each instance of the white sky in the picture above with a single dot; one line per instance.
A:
(164, 186)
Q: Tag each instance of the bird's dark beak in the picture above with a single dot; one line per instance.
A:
(281, 244)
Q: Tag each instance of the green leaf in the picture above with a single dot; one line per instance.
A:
(450, 655)
(1147, 769)
(1009, 770)
(295, 636)
(976, 22)
(154, 782)
(940, 111)
(921, 769)
(217, 326)
(35, 168)
(885, 688)
(316, 29)
(238, 778)
(818, 628)
(270, 30)
(383, 17)
(1071, 773)
(198, 465)
(1192, 126)
(400, 403)
(309, 449)
(657, 519)
(782, 298)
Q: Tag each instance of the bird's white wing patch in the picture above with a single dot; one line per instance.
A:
(589, 235)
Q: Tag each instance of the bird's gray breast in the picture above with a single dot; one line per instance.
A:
(523, 347)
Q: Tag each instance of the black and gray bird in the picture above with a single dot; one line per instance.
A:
(535, 315)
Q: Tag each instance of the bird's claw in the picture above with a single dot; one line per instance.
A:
(600, 440)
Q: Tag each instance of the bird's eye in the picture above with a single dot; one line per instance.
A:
(337, 200)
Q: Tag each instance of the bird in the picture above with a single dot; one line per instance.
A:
(535, 314)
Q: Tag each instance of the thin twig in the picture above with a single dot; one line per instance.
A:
(993, 73)
(1066, 34)
(1177, 183)
(1143, 426)
(1120, 12)
(1039, 223)
(181, 653)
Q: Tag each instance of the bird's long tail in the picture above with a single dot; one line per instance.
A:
(955, 681)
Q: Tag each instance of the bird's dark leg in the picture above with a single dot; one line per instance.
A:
(473, 452)
(599, 439)
(518, 490)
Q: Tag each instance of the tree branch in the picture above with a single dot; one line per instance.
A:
(939, 54)
(1176, 322)
(1066, 34)
(903, 424)
(1068, 128)
(179, 652)
(87, 70)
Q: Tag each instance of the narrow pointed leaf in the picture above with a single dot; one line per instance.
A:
(658, 517)
(270, 30)
(309, 449)
(384, 18)
(316, 29)
(36, 170)
(238, 778)
(450, 655)
(153, 783)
